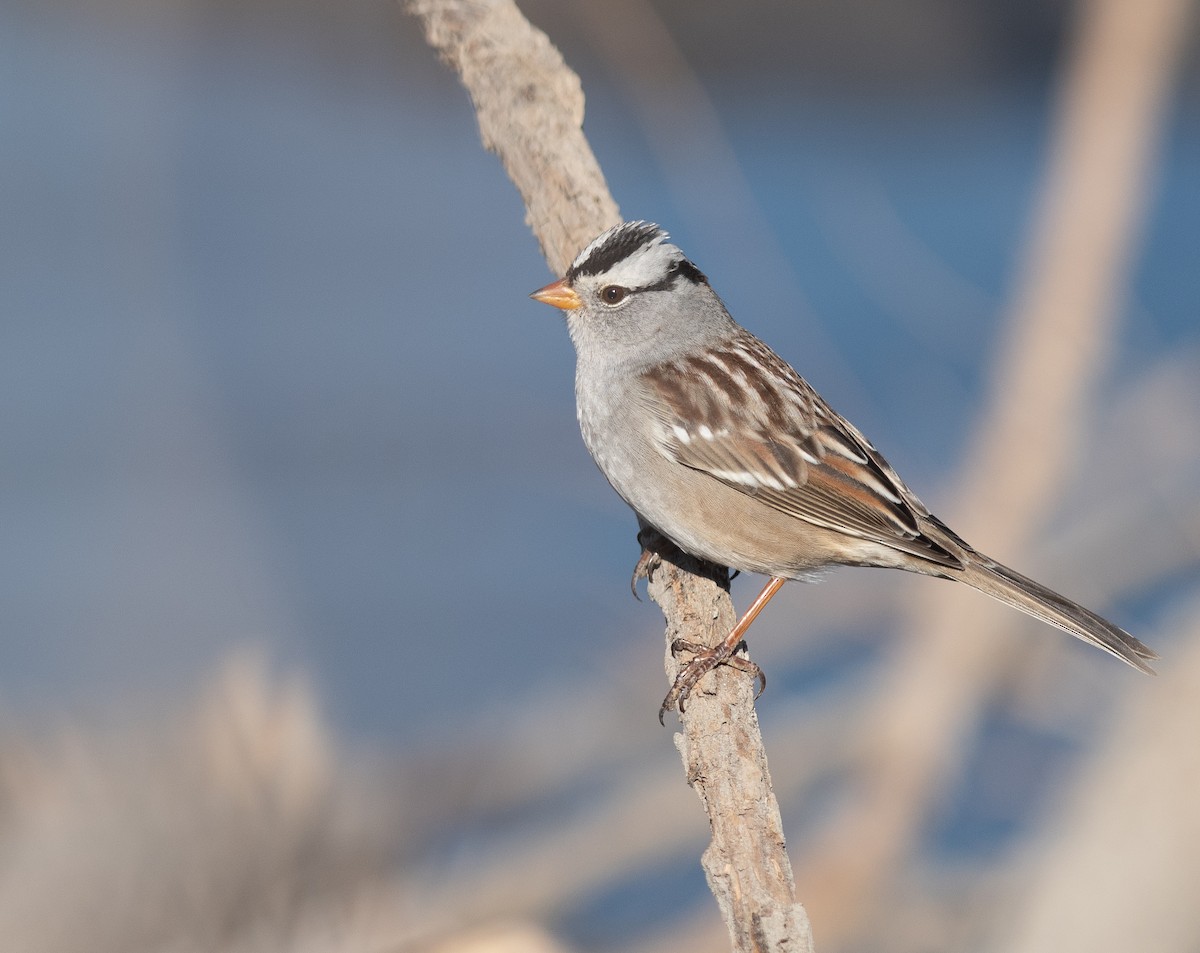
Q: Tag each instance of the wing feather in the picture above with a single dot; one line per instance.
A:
(742, 415)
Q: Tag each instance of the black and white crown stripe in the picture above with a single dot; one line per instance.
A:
(635, 255)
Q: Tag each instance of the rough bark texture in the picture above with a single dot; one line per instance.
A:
(746, 865)
(530, 111)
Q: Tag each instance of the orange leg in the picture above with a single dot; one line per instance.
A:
(706, 659)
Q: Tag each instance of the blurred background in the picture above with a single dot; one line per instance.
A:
(317, 632)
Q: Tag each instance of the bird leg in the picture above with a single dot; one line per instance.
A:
(709, 657)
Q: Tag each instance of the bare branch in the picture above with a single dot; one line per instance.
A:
(530, 110)
(746, 864)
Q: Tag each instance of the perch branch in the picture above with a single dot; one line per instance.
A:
(530, 110)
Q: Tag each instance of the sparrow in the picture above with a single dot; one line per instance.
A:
(720, 446)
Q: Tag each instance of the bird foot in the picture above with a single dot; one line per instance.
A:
(646, 564)
(652, 542)
(705, 659)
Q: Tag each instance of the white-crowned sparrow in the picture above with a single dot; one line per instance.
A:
(724, 449)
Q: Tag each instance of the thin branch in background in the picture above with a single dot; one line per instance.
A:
(1076, 268)
(1136, 801)
(530, 109)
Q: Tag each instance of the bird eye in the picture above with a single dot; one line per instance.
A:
(613, 294)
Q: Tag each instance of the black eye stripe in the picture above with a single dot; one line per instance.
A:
(682, 269)
(690, 272)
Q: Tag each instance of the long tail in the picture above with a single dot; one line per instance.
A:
(1023, 593)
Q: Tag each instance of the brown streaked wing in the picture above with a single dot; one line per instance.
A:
(771, 436)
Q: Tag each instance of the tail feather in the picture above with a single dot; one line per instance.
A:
(1033, 598)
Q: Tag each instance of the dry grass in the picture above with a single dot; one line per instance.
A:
(216, 827)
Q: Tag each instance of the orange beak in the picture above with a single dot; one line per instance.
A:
(559, 295)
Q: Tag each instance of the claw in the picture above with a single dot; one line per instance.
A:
(683, 645)
(707, 658)
(644, 569)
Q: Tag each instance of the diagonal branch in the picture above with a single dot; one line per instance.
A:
(530, 111)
